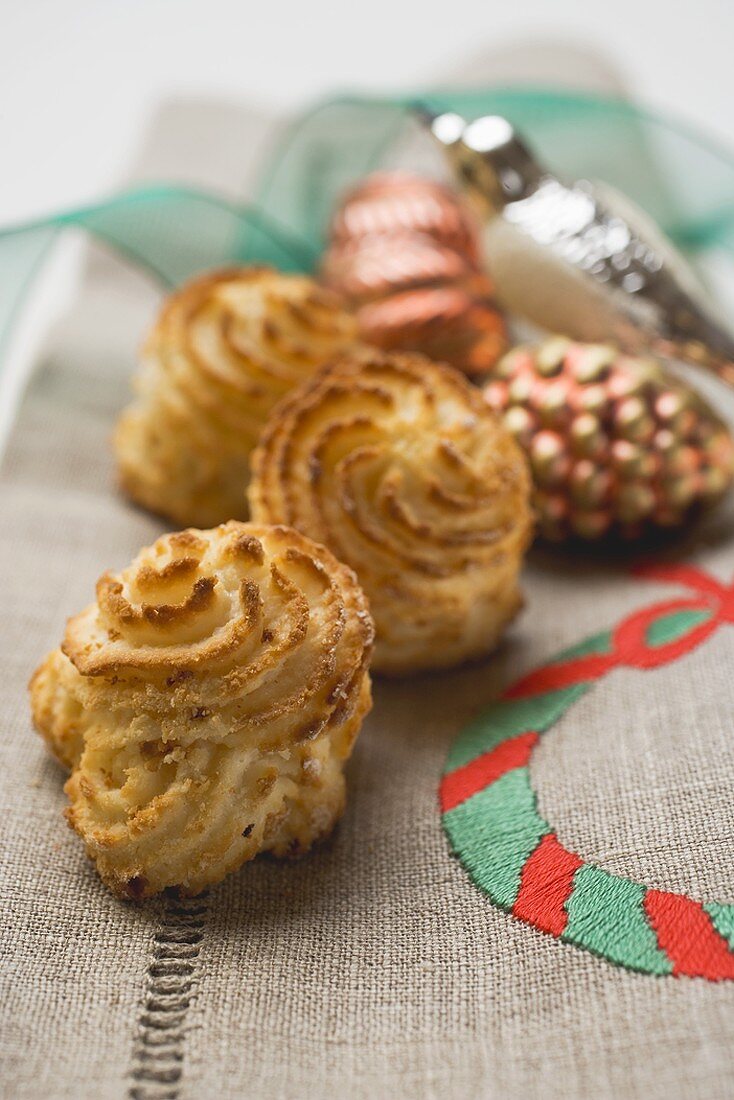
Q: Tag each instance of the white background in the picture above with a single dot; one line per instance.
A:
(81, 79)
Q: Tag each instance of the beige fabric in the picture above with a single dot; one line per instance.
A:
(372, 968)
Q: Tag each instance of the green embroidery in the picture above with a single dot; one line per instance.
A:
(497, 830)
(605, 915)
(671, 627)
(597, 643)
(722, 917)
(508, 718)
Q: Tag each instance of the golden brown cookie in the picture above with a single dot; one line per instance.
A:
(206, 704)
(225, 348)
(398, 465)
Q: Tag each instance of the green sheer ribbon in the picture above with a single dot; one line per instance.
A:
(683, 181)
(170, 232)
(680, 179)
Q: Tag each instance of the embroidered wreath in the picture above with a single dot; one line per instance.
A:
(490, 810)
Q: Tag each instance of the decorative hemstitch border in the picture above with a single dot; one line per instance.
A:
(170, 988)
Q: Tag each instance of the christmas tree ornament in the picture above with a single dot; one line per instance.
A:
(616, 444)
(405, 253)
(391, 203)
(578, 257)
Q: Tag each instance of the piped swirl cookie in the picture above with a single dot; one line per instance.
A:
(206, 704)
(225, 348)
(396, 463)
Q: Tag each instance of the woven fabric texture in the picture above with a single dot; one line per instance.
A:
(372, 968)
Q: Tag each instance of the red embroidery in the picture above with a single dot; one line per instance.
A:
(688, 941)
(546, 885)
(461, 784)
(629, 640)
(686, 934)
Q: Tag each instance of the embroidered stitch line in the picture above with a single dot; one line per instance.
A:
(490, 810)
(158, 1052)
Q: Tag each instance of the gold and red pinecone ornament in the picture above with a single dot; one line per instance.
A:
(616, 445)
(404, 253)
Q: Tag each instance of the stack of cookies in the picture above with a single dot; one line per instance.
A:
(206, 702)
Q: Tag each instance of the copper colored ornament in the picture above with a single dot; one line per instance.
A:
(448, 323)
(387, 204)
(616, 445)
(374, 267)
(404, 253)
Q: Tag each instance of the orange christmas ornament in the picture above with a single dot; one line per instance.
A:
(405, 253)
